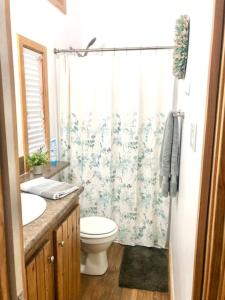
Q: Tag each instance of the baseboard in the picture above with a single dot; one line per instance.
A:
(171, 279)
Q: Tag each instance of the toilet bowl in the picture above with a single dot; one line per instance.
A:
(96, 234)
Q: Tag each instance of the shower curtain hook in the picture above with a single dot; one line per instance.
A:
(71, 49)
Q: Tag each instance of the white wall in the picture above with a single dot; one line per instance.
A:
(127, 22)
(113, 23)
(43, 23)
(185, 208)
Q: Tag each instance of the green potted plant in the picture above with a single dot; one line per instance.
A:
(37, 160)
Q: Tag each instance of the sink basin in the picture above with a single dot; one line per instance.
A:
(32, 207)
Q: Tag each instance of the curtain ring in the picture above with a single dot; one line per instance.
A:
(71, 49)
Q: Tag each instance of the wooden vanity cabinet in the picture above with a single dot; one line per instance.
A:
(67, 245)
(40, 274)
(54, 272)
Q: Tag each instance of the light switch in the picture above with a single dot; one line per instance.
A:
(193, 136)
(187, 87)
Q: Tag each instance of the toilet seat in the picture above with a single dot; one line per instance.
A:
(97, 227)
(97, 236)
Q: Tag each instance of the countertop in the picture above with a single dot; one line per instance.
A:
(48, 171)
(54, 212)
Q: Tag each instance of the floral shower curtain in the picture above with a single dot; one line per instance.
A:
(112, 109)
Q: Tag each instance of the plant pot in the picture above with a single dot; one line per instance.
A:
(37, 170)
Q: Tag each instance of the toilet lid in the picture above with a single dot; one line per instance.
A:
(96, 225)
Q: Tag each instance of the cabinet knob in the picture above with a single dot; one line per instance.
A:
(51, 259)
(61, 243)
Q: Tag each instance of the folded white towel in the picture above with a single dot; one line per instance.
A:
(48, 188)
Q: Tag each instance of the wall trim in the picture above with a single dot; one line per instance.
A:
(25, 43)
(206, 173)
(9, 162)
(171, 277)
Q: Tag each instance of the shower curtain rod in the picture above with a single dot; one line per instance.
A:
(72, 50)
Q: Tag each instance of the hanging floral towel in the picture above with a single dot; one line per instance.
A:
(180, 54)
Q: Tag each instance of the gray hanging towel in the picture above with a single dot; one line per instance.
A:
(169, 157)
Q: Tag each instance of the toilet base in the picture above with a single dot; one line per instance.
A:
(95, 263)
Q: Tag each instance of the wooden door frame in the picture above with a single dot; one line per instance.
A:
(4, 276)
(210, 228)
(60, 4)
(9, 162)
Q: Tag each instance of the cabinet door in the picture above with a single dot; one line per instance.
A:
(61, 246)
(74, 255)
(40, 274)
(49, 270)
(76, 251)
(67, 240)
(32, 293)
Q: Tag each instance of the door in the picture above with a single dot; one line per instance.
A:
(67, 243)
(209, 278)
(9, 165)
(4, 289)
(214, 257)
(40, 275)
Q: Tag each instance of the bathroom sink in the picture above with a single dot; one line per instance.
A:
(32, 207)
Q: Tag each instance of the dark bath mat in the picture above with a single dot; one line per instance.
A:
(144, 268)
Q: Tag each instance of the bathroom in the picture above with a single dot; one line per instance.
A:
(102, 119)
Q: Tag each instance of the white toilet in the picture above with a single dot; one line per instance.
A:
(96, 234)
